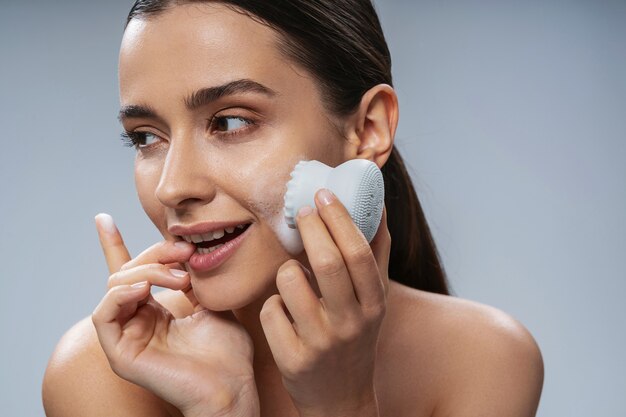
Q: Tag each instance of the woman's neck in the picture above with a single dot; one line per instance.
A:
(248, 316)
(273, 397)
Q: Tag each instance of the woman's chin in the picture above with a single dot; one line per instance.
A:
(227, 292)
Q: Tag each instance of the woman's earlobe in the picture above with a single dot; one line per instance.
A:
(367, 152)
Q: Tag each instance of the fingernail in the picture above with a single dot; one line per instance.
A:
(182, 244)
(140, 284)
(178, 273)
(325, 196)
(106, 222)
(305, 211)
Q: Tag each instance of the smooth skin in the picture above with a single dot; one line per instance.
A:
(322, 333)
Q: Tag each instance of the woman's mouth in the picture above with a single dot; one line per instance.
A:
(208, 242)
(213, 248)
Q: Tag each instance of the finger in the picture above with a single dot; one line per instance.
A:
(155, 274)
(381, 247)
(354, 249)
(171, 254)
(164, 252)
(118, 303)
(279, 331)
(176, 265)
(191, 296)
(115, 251)
(299, 298)
(328, 265)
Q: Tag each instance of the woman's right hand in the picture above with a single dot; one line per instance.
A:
(201, 364)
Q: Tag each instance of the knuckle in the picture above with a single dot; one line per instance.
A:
(360, 254)
(154, 268)
(113, 294)
(149, 271)
(113, 280)
(160, 248)
(140, 273)
(329, 264)
(95, 317)
(340, 216)
(350, 332)
(322, 343)
(109, 297)
(156, 247)
(110, 240)
(127, 265)
(375, 312)
(301, 363)
(307, 364)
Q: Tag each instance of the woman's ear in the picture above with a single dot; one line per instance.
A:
(372, 128)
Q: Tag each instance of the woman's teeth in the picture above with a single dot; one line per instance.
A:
(204, 251)
(207, 237)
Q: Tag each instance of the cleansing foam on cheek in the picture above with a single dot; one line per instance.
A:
(357, 183)
(266, 198)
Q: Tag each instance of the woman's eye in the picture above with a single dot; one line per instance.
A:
(139, 139)
(229, 123)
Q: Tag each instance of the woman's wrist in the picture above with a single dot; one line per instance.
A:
(228, 403)
(365, 407)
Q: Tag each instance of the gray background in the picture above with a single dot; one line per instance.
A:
(513, 119)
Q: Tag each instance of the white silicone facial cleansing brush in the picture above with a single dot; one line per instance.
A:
(357, 183)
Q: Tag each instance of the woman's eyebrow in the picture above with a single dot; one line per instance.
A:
(137, 111)
(207, 95)
(199, 98)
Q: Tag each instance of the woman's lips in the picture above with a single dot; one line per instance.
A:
(205, 262)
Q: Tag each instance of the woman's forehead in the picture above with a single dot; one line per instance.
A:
(199, 44)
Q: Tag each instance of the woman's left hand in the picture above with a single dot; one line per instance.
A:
(326, 350)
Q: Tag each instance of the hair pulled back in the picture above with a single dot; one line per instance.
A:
(341, 43)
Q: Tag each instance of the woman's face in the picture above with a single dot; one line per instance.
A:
(222, 118)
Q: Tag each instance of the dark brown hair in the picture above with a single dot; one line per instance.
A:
(341, 43)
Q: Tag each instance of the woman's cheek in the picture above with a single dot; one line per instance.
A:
(267, 191)
(289, 238)
(146, 180)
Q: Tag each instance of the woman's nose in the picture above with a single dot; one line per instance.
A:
(185, 177)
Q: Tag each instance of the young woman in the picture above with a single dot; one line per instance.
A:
(221, 99)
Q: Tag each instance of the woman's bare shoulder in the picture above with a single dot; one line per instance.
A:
(466, 356)
(79, 381)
